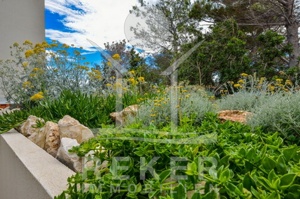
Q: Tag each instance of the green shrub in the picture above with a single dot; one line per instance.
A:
(12, 120)
(225, 160)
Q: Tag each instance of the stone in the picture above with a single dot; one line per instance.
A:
(121, 117)
(29, 126)
(71, 160)
(234, 115)
(71, 128)
(52, 141)
(29, 129)
(38, 137)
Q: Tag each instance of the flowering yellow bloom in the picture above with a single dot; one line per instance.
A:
(116, 57)
(37, 96)
(53, 45)
(32, 75)
(40, 48)
(188, 95)
(230, 82)
(132, 72)
(27, 84)
(109, 64)
(279, 80)
(271, 88)
(29, 53)
(83, 68)
(15, 44)
(237, 86)
(282, 73)
(244, 74)
(25, 64)
(118, 85)
(141, 79)
(38, 70)
(27, 42)
(95, 74)
(288, 82)
(132, 81)
(241, 81)
(66, 46)
(108, 85)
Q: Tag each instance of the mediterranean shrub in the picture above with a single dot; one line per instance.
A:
(218, 160)
(185, 102)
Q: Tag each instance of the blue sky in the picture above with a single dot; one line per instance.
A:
(75, 21)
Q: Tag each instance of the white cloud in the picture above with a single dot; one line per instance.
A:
(98, 20)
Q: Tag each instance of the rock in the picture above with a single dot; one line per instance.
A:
(52, 138)
(117, 117)
(30, 130)
(121, 117)
(38, 137)
(29, 127)
(234, 115)
(71, 128)
(71, 160)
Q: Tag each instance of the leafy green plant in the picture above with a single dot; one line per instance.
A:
(12, 120)
(241, 164)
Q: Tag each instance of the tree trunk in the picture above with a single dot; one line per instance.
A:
(293, 39)
(292, 26)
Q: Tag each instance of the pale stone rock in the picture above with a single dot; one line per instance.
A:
(117, 117)
(234, 115)
(30, 130)
(29, 126)
(52, 138)
(38, 137)
(69, 159)
(71, 128)
(121, 117)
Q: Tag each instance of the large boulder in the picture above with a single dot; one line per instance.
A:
(30, 129)
(30, 125)
(71, 128)
(71, 160)
(121, 117)
(52, 138)
(234, 115)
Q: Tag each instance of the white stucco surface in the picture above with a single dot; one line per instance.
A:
(27, 171)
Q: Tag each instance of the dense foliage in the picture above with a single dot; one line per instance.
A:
(212, 160)
(175, 146)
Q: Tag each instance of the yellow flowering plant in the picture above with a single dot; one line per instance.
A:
(253, 83)
(48, 68)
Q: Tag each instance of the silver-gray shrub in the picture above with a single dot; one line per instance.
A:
(280, 112)
(47, 68)
(192, 104)
(242, 100)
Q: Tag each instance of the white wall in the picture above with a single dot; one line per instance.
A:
(20, 20)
